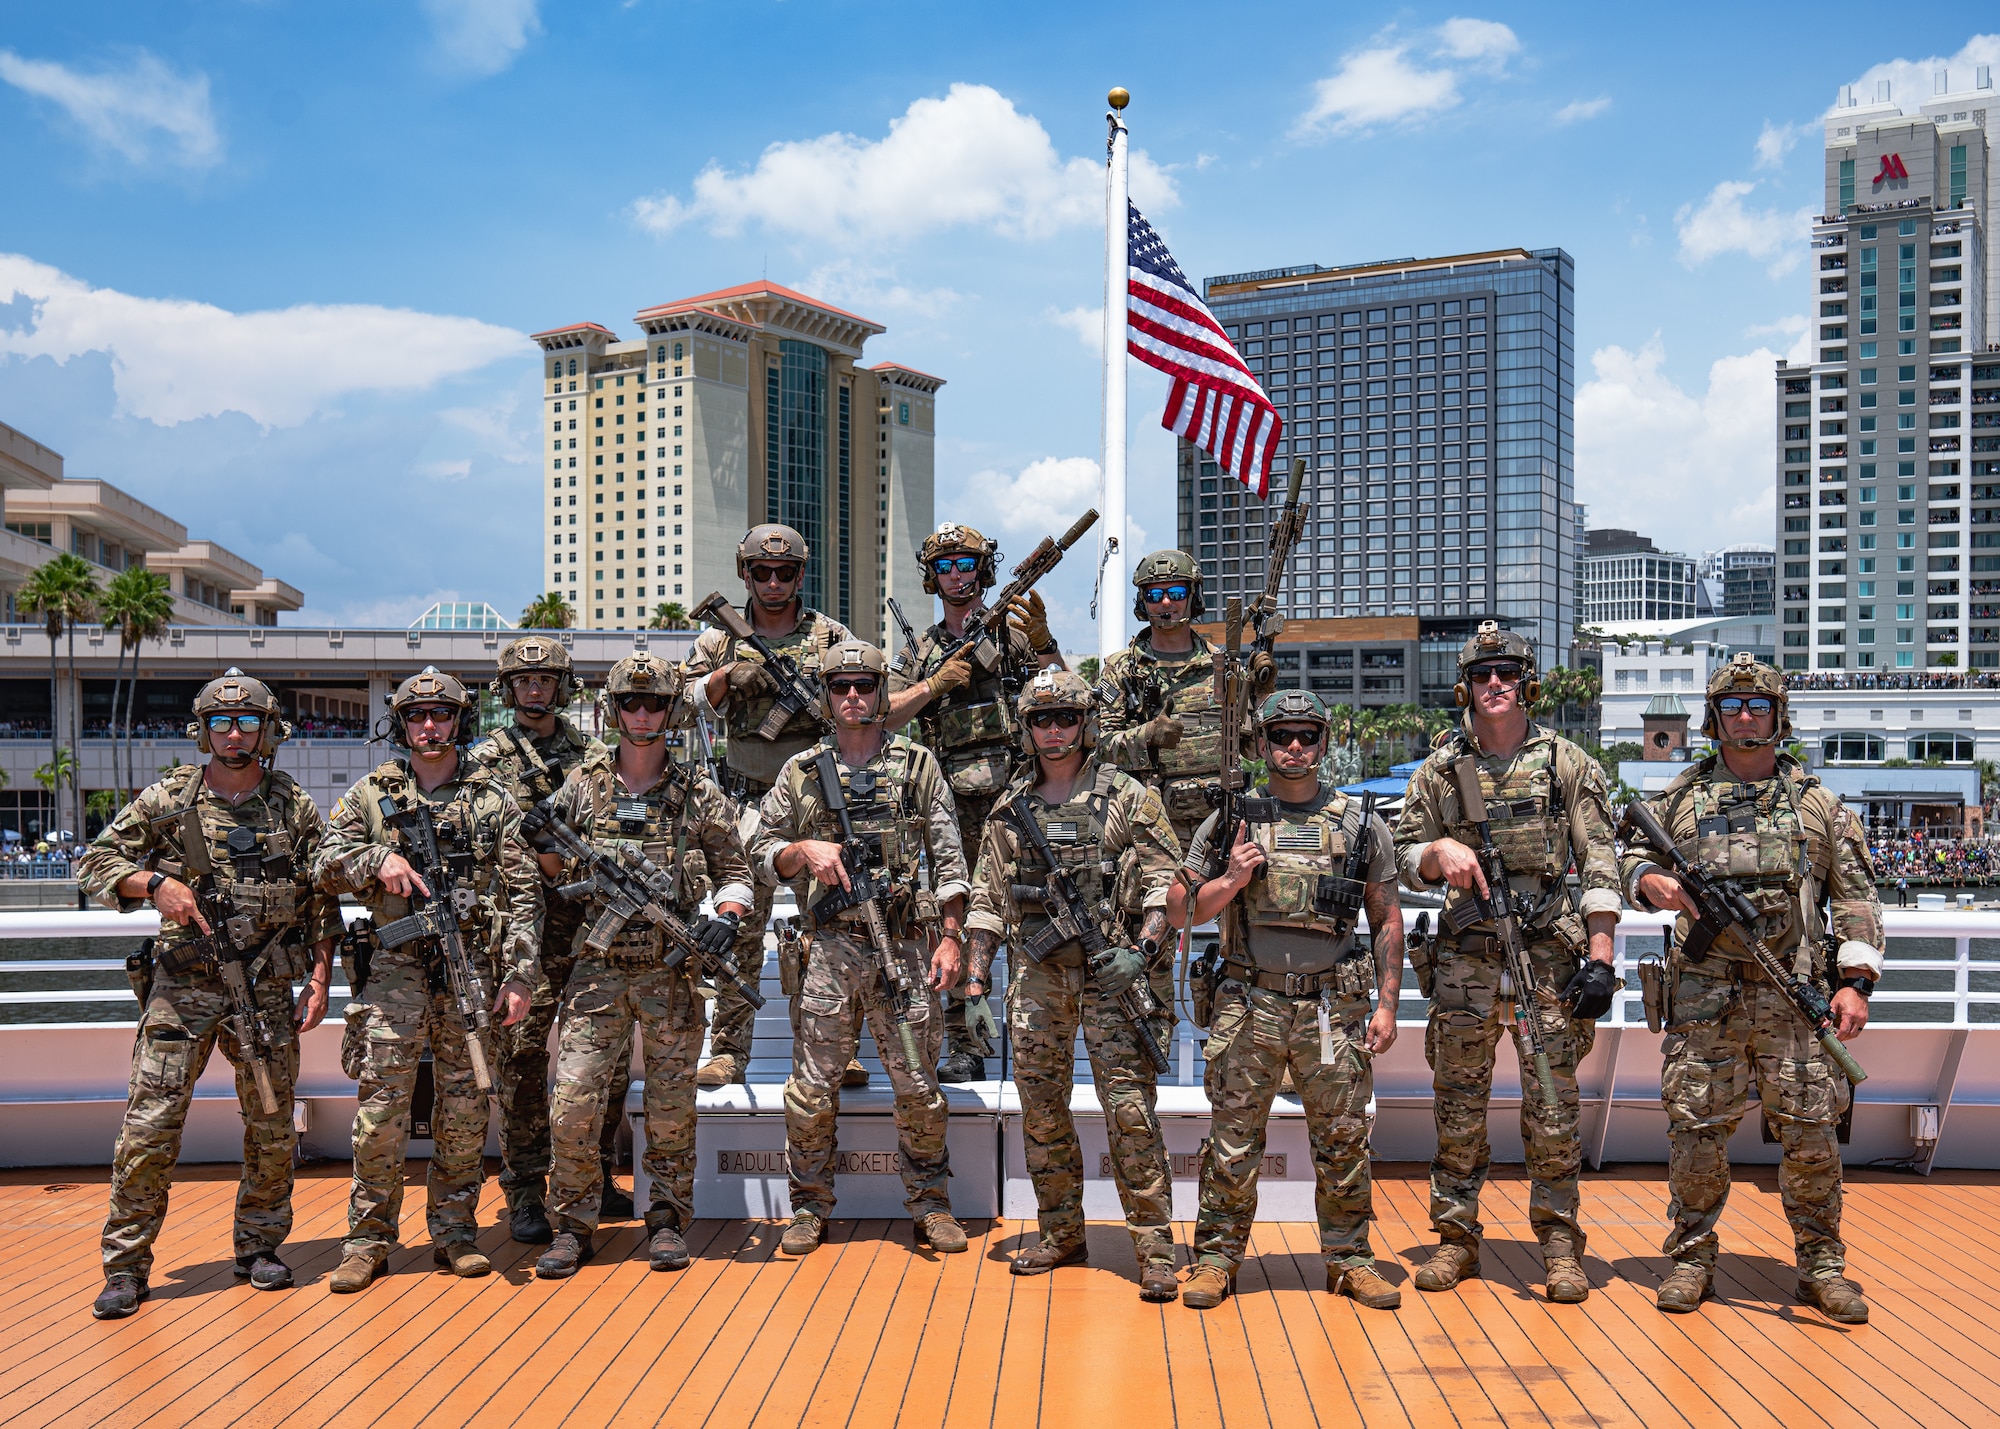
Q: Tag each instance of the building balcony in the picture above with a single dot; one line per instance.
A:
(1944, 444)
(1832, 450)
(1946, 322)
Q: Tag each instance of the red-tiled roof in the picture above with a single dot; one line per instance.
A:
(745, 290)
(573, 327)
(905, 367)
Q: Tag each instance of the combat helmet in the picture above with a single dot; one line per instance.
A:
(640, 673)
(432, 686)
(1295, 707)
(770, 542)
(237, 693)
(1747, 675)
(536, 655)
(954, 539)
(857, 657)
(1167, 568)
(1490, 642)
(1054, 688)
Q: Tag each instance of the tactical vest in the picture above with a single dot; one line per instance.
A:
(1528, 816)
(1177, 772)
(468, 841)
(972, 729)
(531, 775)
(1075, 831)
(257, 872)
(1300, 854)
(656, 821)
(761, 760)
(1753, 834)
(881, 805)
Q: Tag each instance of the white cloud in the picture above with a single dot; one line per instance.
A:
(1912, 83)
(1578, 110)
(445, 470)
(392, 612)
(1776, 141)
(1465, 39)
(173, 360)
(1640, 434)
(1382, 84)
(1043, 498)
(481, 37)
(970, 159)
(143, 112)
(1721, 224)
(1086, 323)
(868, 289)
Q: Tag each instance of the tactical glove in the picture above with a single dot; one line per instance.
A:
(1263, 671)
(1116, 969)
(717, 935)
(749, 679)
(1162, 731)
(979, 1018)
(1030, 616)
(954, 673)
(1589, 992)
(535, 829)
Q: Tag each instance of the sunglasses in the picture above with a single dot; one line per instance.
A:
(784, 574)
(1505, 674)
(247, 723)
(1155, 594)
(1057, 719)
(1306, 736)
(430, 714)
(651, 704)
(1736, 704)
(964, 565)
(852, 687)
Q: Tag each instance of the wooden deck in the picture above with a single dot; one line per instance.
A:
(870, 1332)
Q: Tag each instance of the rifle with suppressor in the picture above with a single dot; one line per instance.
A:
(436, 916)
(1497, 906)
(1265, 619)
(1232, 698)
(869, 892)
(1071, 920)
(630, 885)
(797, 692)
(980, 625)
(909, 634)
(1724, 909)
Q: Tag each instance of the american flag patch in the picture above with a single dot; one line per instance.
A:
(1299, 838)
(1062, 831)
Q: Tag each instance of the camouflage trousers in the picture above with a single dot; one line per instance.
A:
(842, 987)
(1254, 1036)
(1046, 1006)
(1466, 1020)
(403, 1017)
(732, 1025)
(1725, 1033)
(522, 1070)
(607, 998)
(181, 1026)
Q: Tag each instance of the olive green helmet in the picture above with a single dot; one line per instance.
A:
(1293, 706)
(953, 539)
(1054, 688)
(770, 542)
(1490, 642)
(1747, 675)
(536, 655)
(432, 686)
(1167, 568)
(234, 693)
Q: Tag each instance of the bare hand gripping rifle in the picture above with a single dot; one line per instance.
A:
(1724, 909)
(798, 693)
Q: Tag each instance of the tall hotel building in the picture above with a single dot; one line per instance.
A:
(731, 409)
(1436, 399)
(1889, 442)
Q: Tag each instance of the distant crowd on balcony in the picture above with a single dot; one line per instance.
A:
(1915, 680)
(1914, 859)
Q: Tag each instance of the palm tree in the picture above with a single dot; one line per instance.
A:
(669, 615)
(140, 604)
(60, 770)
(550, 611)
(63, 592)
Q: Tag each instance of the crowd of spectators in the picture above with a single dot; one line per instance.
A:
(1915, 859)
(1929, 680)
(38, 859)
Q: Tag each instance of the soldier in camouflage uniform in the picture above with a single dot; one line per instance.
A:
(401, 1006)
(1545, 801)
(732, 688)
(238, 799)
(1754, 815)
(961, 705)
(532, 757)
(679, 819)
(1112, 837)
(1156, 697)
(1293, 994)
(899, 805)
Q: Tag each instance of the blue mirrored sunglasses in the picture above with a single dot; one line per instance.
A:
(1158, 593)
(964, 565)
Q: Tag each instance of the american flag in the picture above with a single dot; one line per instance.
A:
(1215, 402)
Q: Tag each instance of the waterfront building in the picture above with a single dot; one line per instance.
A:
(1624, 576)
(1737, 580)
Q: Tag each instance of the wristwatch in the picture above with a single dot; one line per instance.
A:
(153, 884)
(1861, 983)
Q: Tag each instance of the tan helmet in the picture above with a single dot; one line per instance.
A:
(1166, 568)
(1490, 642)
(1054, 688)
(237, 693)
(640, 673)
(432, 686)
(857, 657)
(953, 539)
(1747, 675)
(770, 543)
(536, 655)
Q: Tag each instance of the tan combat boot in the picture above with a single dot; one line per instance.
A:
(461, 1258)
(1683, 1291)
(1364, 1285)
(802, 1236)
(1208, 1286)
(1047, 1255)
(720, 1071)
(854, 1074)
(1450, 1263)
(356, 1271)
(1836, 1298)
(941, 1233)
(1563, 1277)
(1157, 1285)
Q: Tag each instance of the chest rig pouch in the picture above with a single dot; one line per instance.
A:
(972, 728)
(656, 821)
(535, 778)
(1075, 835)
(1755, 838)
(1530, 824)
(1182, 771)
(881, 806)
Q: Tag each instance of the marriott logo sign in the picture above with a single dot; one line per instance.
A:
(1892, 168)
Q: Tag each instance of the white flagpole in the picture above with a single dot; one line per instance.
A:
(1115, 562)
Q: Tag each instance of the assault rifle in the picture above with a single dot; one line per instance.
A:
(1232, 697)
(798, 693)
(979, 626)
(435, 916)
(1265, 619)
(629, 885)
(1724, 909)
(1341, 898)
(1497, 905)
(1071, 920)
(903, 624)
(870, 892)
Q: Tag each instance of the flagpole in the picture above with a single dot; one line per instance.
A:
(1115, 560)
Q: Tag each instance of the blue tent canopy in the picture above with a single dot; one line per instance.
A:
(1380, 788)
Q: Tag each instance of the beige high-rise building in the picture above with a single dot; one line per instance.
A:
(731, 409)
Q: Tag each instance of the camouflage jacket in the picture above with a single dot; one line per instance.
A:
(684, 823)
(1112, 837)
(532, 766)
(972, 728)
(906, 811)
(507, 919)
(1753, 833)
(1133, 687)
(758, 759)
(146, 835)
(1547, 806)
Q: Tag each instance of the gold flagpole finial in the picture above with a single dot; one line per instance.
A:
(1119, 96)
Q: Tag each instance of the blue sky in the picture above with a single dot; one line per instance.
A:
(271, 266)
